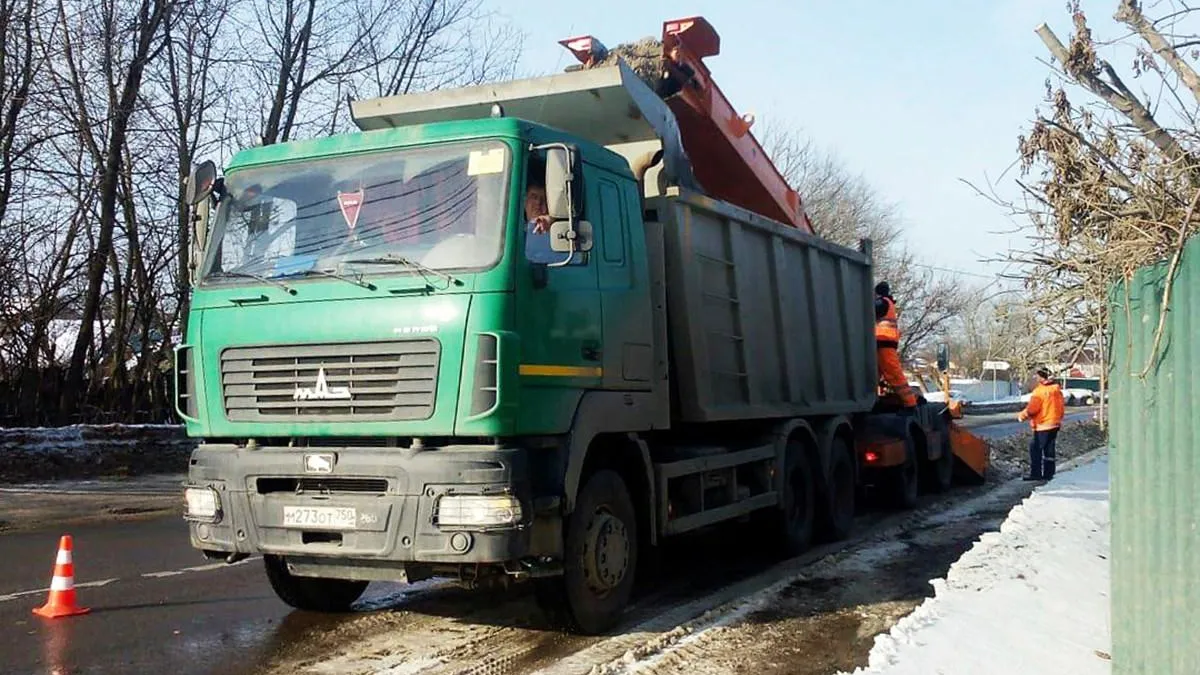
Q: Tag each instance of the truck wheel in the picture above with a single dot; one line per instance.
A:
(904, 480)
(791, 526)
(939, 473)
(838, 521)
(601, 556)
(311, 593)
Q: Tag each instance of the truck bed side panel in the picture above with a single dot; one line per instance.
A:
(766, 321)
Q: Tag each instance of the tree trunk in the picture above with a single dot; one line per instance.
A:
(152, 19)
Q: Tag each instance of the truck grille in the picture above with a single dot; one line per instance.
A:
(387, 381)
(268, 486)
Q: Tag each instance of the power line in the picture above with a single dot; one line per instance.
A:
(954, 271)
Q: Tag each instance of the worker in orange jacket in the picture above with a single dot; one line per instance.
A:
(1045, 414)
(887, 346)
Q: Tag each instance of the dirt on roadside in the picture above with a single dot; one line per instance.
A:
(827, 621)
(21, 511)
(1010, 455)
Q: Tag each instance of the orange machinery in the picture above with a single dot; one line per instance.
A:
(727, 160)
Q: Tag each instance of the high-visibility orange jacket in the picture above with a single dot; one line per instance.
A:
(887, 355)
(887, 328)
(1046, 409)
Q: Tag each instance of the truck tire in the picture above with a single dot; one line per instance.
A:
(838, 518)
(790, 527)
(601, 557)
(311, 593)
(939, 473)
(903, 482)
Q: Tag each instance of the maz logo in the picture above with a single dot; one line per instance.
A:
(318, 463)
(322, 391)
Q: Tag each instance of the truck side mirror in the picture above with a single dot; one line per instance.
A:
(564, 194)
(943, 357)
(561, 234)
(200, 183)
(559, 184)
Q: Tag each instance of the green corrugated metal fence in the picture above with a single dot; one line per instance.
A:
(1155, 474)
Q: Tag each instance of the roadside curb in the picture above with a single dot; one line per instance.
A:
(1086, 458)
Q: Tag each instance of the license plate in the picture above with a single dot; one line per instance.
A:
(320, 517)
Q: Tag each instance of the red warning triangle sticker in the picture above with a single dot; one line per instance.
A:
(350, 203)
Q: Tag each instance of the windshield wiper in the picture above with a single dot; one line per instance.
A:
(407, 262)
(357, 280)
(256, 277)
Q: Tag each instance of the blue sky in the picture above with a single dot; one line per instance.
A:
(913, 94)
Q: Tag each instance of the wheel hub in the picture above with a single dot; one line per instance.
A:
(606, 558)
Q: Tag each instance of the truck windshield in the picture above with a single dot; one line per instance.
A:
(440, 206)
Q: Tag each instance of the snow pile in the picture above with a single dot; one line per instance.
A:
(1032, 598)
(56, 453)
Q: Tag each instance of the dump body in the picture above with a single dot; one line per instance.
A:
(765, 321)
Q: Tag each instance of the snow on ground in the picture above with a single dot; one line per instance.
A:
(1031, 598)
(43, 454)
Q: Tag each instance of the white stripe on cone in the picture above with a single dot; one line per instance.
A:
(64, 558)
(62, 583)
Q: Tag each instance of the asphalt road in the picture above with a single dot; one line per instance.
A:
(999, 426)
(157, 606)
(149, 612)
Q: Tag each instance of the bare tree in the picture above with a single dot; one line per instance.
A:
(1111, 184)
(186, 76)
(432, 44)
(105, 105)
(318, 54)
(1004, 328)
(141, 33)
(20, 63)
(843, 206)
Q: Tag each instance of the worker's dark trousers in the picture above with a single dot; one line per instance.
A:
(1041, 454)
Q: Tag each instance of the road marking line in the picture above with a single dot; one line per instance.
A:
(150, 575)
(86, 584)
(197, 568)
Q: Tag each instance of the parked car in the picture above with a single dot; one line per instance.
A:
(1080, 397)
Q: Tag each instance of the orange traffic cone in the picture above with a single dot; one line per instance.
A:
(62, 588)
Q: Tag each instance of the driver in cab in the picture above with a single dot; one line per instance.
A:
(537, 224)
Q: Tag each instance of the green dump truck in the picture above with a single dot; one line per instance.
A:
(393, 375)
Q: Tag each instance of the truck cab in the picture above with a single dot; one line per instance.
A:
(382, 349)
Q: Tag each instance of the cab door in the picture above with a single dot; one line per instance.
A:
(560, 321)
(624, 289)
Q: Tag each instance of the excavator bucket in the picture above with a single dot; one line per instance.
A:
(972, 453)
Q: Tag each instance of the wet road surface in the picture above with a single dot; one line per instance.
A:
(159, 607)
(149, 612)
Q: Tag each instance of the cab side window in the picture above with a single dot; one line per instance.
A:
(612, 215)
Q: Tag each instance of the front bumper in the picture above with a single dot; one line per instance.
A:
(394, 492)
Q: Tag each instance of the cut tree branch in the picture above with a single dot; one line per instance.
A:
(1117, 95)
(1130, 14)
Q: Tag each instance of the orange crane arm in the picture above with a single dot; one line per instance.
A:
(726, 159)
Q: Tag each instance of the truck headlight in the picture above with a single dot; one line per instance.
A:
(477, 511)
(203, 504)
